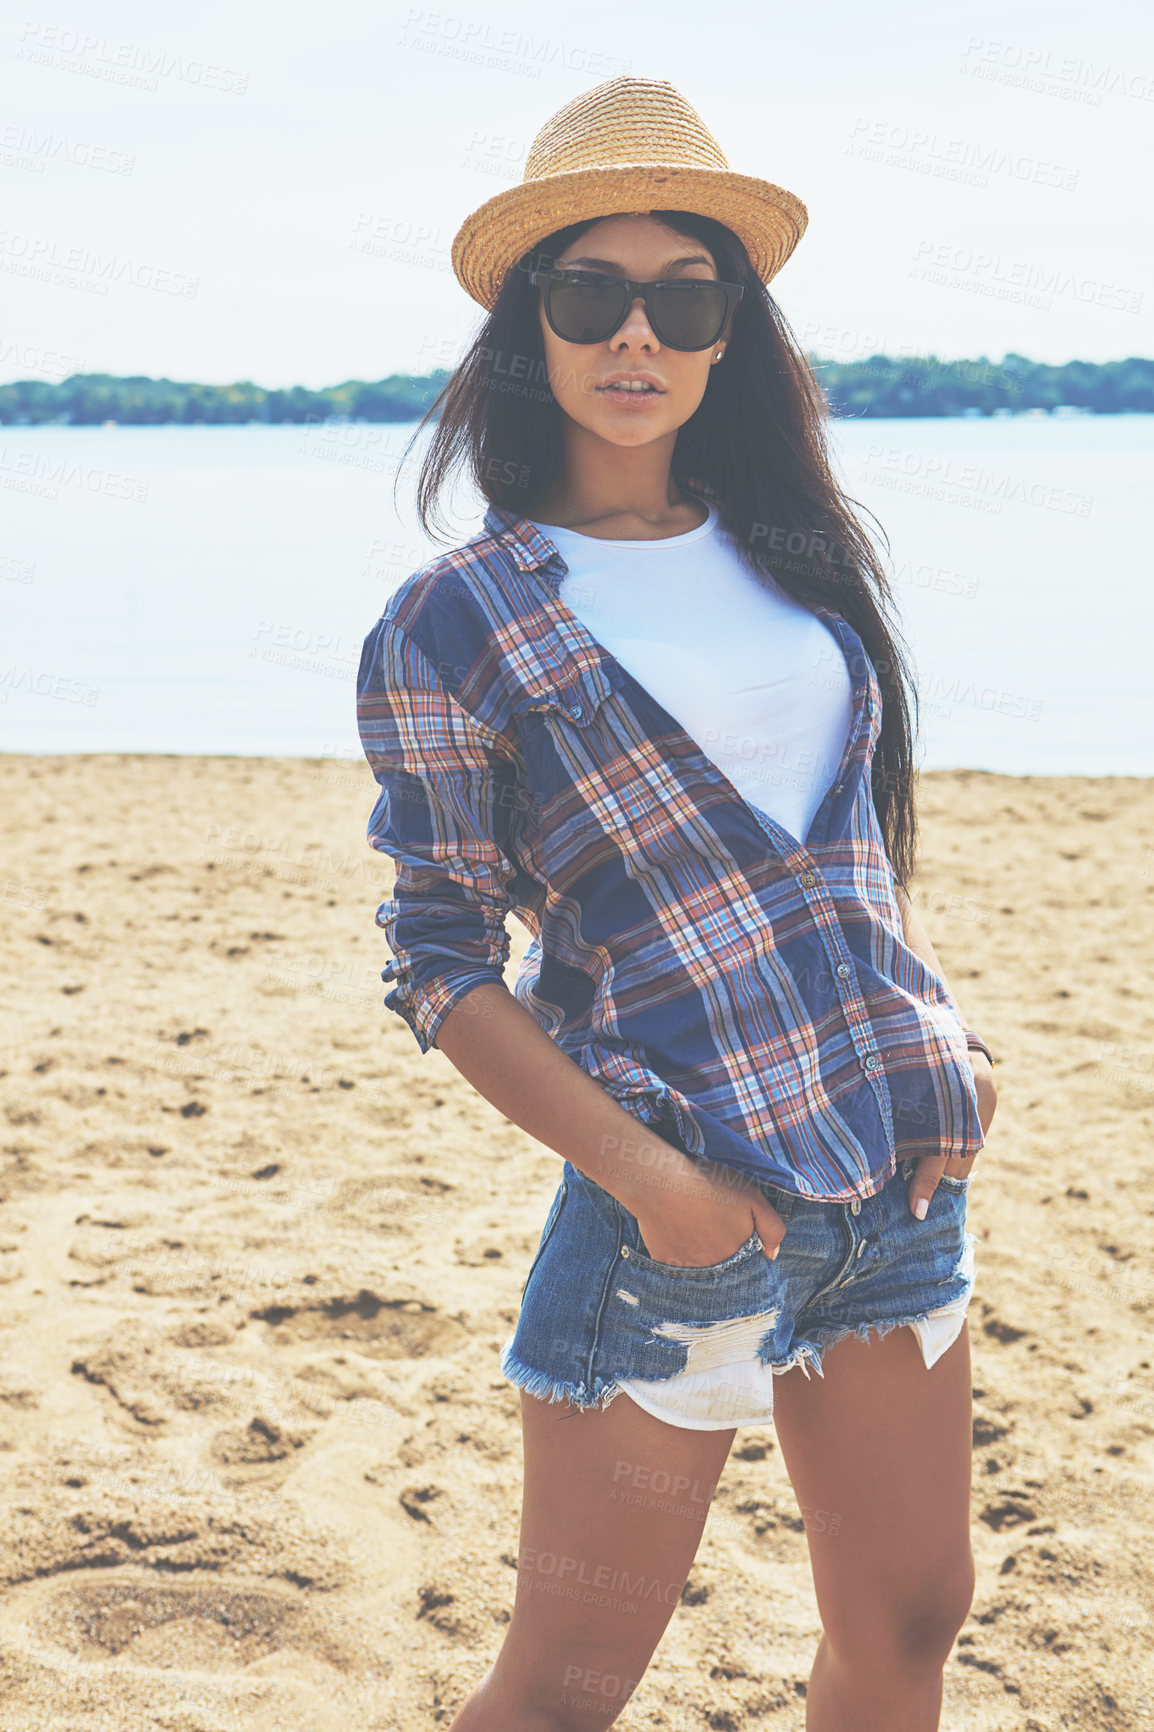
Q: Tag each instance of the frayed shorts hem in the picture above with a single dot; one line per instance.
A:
(862, 1332)
(804, 1355)
(551, 1389)
(598, 1397)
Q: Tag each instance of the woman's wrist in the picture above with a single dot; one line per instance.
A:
(509, 1059)
(640, 1169)
(975, 1043)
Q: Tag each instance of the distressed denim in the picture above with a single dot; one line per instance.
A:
(599, 1316)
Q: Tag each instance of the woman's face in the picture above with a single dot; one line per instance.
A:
(579, 373)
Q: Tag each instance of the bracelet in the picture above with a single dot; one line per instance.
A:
(975, 1043)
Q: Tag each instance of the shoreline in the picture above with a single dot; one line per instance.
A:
(354, 761)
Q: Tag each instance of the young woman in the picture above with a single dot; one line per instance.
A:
(654, 709)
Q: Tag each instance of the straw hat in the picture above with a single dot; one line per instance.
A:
(630, 144)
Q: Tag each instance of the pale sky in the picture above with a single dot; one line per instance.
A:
(271, 192)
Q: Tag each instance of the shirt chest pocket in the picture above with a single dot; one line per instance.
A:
(570, 733)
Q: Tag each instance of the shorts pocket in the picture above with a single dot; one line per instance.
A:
(955, 1181)
(695, 1272)
(548, 1229)
(664, 1319)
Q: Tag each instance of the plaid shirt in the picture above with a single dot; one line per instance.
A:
(751, 999)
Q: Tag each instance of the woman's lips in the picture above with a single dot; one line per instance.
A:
(613, 395)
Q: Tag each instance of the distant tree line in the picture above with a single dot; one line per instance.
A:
(879, 386)
(916, 386)
(88, 399)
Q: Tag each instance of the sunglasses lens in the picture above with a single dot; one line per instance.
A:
(588, 309)
(690, 315)
(585, 312)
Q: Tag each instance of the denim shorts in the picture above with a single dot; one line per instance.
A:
(699, 1347)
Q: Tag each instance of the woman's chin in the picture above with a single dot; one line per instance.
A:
(625, 430)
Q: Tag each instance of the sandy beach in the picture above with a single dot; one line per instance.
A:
(259, 1255)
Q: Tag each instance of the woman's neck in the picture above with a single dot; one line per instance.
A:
(628, 525)
(620, 493)
(622, 519)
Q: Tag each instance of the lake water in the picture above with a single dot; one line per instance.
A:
(207, 589)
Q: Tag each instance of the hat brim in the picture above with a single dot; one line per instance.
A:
(768, 220)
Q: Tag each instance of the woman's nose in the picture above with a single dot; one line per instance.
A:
(635, 325)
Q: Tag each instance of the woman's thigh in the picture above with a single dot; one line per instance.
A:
(613, 1510)
(879, 1452)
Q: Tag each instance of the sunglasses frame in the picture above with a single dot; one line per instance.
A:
(542, 279)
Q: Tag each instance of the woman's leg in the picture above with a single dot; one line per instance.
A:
(613, 1510)
(878, 1453)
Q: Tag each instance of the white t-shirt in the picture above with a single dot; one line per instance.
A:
(755, 679)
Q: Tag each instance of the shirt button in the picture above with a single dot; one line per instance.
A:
(870, 1061)
(576, 711)
(806, 879)
(843, 969)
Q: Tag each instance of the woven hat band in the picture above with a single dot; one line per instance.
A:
(628, 121)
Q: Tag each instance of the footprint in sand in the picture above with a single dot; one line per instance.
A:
(381, 1328)
(204, 1624)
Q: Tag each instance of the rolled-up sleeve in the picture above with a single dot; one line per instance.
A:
(446, 789)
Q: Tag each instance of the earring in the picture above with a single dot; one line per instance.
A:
(719, 354)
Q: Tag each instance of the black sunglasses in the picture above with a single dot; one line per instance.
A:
(683, 312)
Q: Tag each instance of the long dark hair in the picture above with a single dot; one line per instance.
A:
(756, 446)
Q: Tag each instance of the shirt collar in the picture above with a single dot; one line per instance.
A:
(528, 548)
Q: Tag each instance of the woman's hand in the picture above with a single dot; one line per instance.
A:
(703, 1213)
(930, 1168)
